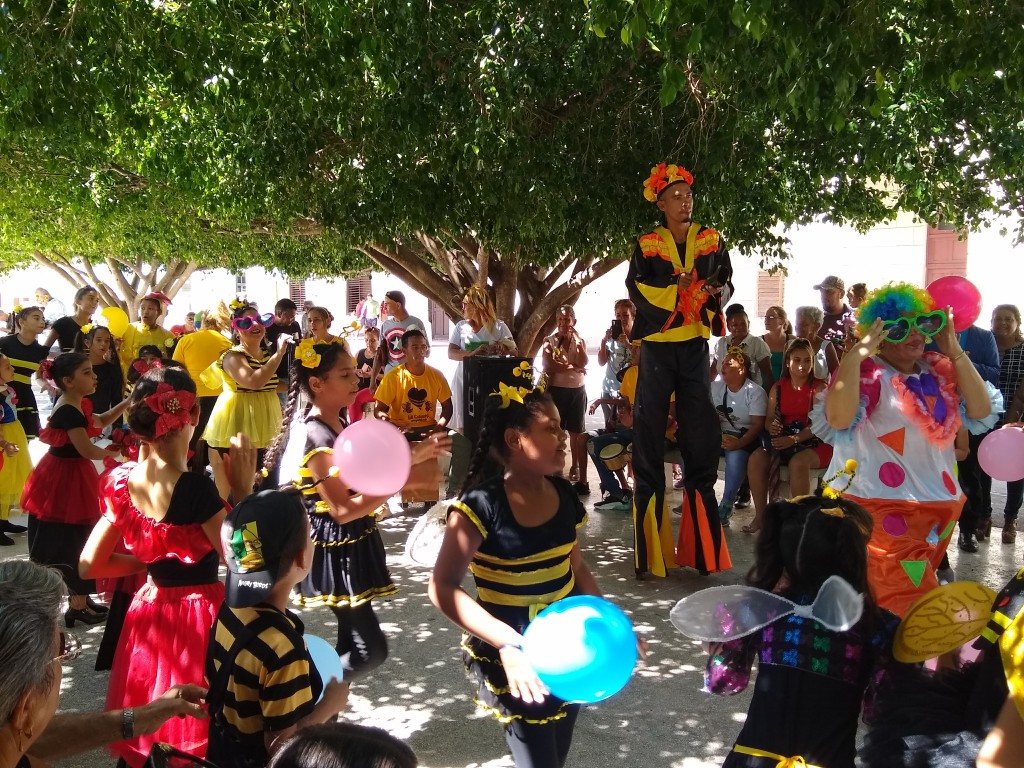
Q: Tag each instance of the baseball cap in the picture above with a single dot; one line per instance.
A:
(396, 296)
(831, 282)
(255, 535)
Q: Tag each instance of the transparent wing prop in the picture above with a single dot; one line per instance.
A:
(719, 614)
(424, 541)
(291, 459)
(838, 605)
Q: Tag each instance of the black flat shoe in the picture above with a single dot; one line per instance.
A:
(642, 575)
(6, 526)
(6, 541)
(84, 615)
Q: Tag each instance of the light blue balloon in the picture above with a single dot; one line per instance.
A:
(582, 648)
(325, 659)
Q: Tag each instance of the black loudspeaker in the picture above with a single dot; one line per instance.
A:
(480, 377)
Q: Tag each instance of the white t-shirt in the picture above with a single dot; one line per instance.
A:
(464, 337)
(753, 347)
(751, 400)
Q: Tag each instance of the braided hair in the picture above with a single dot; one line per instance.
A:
(491, 443)
(298, 380)
(14, 318)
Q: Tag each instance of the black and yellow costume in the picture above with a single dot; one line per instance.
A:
(518, 571)
(674, 324)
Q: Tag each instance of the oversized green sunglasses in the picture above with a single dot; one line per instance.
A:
(928, 323)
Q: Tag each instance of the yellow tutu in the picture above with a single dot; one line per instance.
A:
(15, 469)
(255, 414)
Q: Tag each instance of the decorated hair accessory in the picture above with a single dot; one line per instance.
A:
(306, 354)
(237, 304)
(524, 370)
(850, 470)
(662, 176)
(18, 308)
(542, 385)
(173, 407)
(737, 351)
(142, 367)
(719, 614)
(158, 296)
(509, 394)
(46, 369)
(87, 329)
(891, 302)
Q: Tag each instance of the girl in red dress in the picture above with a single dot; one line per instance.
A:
(168, 519)
(61, 496)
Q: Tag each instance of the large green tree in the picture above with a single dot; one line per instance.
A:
(506, 141)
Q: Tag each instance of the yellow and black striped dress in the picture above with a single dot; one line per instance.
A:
(518, 571)
(350, 565)
(253, 412)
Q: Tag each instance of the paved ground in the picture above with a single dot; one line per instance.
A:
(660, 720)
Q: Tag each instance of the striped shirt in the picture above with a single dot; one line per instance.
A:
(25, 358)
(519, 569)
(261, 680)
(255, 364)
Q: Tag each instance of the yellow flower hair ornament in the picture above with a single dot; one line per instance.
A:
(663, 176)
(737, 351)
(850, 470)
(87, 329)
(306, 354)
(18, 308)
(509, 394)
(237, 304)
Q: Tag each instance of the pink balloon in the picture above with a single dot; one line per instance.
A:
(1001, 454)
(373, 457)
(960, 294)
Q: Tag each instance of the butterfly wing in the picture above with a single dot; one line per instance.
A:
(718, 614)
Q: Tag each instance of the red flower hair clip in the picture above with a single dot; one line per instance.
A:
(46, 369)
(141, 366)
(174, 407)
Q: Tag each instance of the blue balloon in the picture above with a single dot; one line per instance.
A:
(326, 660)
(582, 648)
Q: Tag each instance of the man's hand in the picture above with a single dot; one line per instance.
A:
(685, 280)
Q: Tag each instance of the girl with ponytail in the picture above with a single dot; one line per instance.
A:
(349, 568)
(517, 533)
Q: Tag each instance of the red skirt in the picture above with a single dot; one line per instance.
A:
(163, 644)
(63, 491)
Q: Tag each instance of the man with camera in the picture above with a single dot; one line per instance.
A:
(679, 279)
(615, 355)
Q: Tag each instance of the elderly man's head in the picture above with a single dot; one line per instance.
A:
(31, 601)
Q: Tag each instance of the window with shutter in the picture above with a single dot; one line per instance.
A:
(770, 291)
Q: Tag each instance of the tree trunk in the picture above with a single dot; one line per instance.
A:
(442, 268)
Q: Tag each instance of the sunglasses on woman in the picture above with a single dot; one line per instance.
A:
(246, 322)
(928, 324)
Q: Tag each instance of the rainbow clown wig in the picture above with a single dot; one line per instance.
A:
(891, 302)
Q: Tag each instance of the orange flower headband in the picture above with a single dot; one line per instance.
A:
(663, 176)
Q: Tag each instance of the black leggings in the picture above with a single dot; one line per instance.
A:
(541, 745)
(361, 638)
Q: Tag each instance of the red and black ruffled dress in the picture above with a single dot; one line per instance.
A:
(166, 631)
(61, 497)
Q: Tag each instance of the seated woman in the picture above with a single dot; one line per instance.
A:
(793, 444)
(742, 406)
(754, 347)
(808, 324)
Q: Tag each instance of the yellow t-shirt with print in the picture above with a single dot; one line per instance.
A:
(627, 389)
(412, 400)
(138, 336)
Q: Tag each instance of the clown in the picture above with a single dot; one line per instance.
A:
(679, 279)
(896, 410)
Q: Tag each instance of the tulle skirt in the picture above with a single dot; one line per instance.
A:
(163, 644)
(14, 470)
(256, 414)
(63, 490)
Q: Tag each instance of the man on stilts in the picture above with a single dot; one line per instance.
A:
(679, 279)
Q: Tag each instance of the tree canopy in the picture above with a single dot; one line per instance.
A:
(503, 140)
